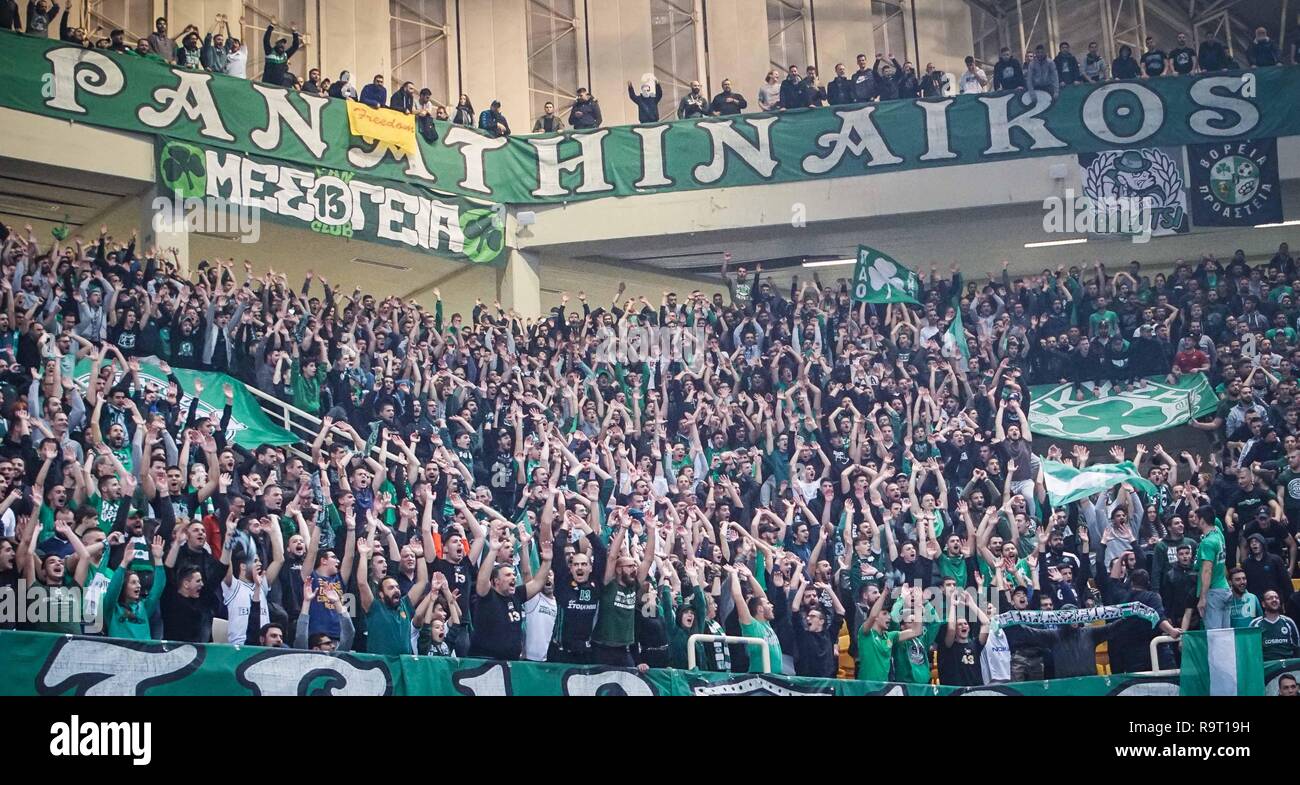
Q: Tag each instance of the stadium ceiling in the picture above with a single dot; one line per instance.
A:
(1022, 24)
(46, 197)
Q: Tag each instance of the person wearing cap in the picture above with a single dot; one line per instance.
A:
(492, 122)
(277, 56)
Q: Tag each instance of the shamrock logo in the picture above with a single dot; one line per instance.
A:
(484, 239)
(884, 274)
(183, 170)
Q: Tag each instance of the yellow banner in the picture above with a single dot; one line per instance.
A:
(385, 125)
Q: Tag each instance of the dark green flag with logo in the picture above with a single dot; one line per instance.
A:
(879, 278)
(1235, 183)
(197, 182)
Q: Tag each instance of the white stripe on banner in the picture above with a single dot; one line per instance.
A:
(1221, 654)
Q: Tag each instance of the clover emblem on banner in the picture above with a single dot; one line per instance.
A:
(884, 275)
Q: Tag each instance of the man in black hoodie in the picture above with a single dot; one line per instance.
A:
(647, 102)
(864, 82)
(840, 90)
(585, 112)
(1213, 56)
(1007, 72)
(792, 90)
(1067, 65)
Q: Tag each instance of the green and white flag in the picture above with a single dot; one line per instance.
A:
(249, 426)
(1222, 662)
(1104, 415)
(1066, 484)
(956, 333)
(879, 278)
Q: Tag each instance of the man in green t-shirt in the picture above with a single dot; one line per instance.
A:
(876, 642)
(388, 617)
(615, 630)
(1212, 587)
(755, 616)
(1243, 608)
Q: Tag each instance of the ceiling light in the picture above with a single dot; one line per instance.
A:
(830, 263)
(1274, 226)
(1051, 243)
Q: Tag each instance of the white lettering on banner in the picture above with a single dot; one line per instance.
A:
(1206, 92)
(193, 98)
(225, 171)
(102, 668)
(856, 122)
(362, 190)
(291, 199)
(280, 110)
(332, 203)
(936, 130)
(652, 156)
(445, 222)
(591, 161)
(294, 673)
(488, 681)
(362, 158)
(472, 146)
(393, 209)
(255, 178)
(1001, 125)
(725, 137)
(75, 67)
(588, 684)
(1097, 120)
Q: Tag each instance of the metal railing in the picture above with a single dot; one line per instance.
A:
(1155, 657)
(303, 425)
(702, 638)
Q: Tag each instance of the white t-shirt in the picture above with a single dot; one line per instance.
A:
(539, 623)
(238, 596)
(995, 659)
(973, 81)
(237, 62)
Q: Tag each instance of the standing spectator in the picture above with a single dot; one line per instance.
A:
(1042, 74)
(426, 111)
(1262, 53)
(792, 94)
(375, 95)
(213, 55)
(908, 85)
(1067, 66)
(343, 87)
(1094, 65)
(585, 112)
(694, 103)
(1213, 56)
(1214, 596)
(864, 82)
(464, 114)
(1182, 58)
(887, 78)
(840, 89)
(813, 91)
(769, 93)
(1125, 67)
(492, 122)
(160, 43)
(190, 53)
(973, 79)
(9, 19)
(1154, 61)
(548, 121)
(236, 58)
(935, 83)
(39, 15)
(1007, 73)
(312, 85)
(404, 99)
(646, 100)
(727, 102)
(276, 69)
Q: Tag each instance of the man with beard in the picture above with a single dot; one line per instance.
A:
(840, 89)
(615, 629)
(113, 489)
(693, 104)
(276, 70)
(500, 599)
(1281, 635)
(388, 621)
(576, 593)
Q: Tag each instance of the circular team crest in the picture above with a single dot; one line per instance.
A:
(1234, 180)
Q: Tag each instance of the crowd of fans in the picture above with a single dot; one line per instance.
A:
(881, 79)
(790, 466)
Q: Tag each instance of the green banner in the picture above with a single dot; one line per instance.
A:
(39, 663)
(249, 426)
(135, 94)
(199, 186)
(1081, 415)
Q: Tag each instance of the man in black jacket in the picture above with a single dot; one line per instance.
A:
(276, 70)
(693, 104)
(840, 90)
(1067, 65)
(792, 90)
(727, 102)
(1130, 647)
(1007, 72)
(585, 112)
(647, 101)
(864, 82)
